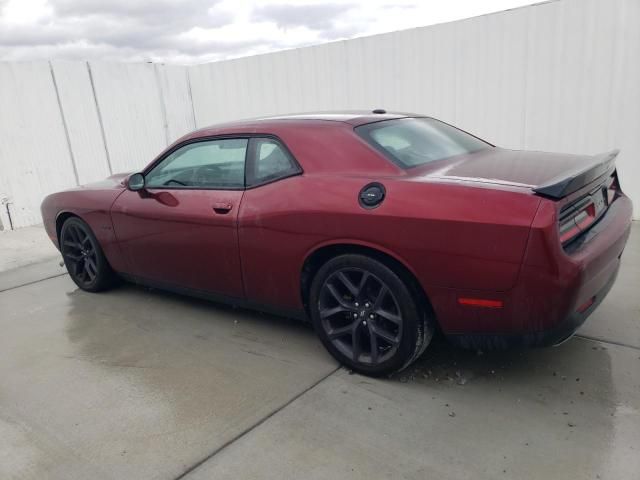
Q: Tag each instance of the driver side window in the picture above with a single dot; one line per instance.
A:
(207, 164)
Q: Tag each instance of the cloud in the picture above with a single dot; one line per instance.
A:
(196, 31)
(314, 17)
(168, 14)
(189, 31)
(13, 37)
(128, 29)
(138, 24)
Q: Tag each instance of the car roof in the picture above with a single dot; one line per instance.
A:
(353, 118)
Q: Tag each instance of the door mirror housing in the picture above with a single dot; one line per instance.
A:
(136, 182)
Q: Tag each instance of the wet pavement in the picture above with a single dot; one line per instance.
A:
(136, 383)
(572, 412)
(25, 246)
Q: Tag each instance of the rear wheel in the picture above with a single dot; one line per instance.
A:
(367, 316)
(84, 258)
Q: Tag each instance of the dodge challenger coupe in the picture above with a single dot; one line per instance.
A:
(380, 228)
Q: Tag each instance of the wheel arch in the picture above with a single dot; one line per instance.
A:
(61, 218)
(322, 253)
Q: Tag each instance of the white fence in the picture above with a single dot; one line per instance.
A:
(557, 76)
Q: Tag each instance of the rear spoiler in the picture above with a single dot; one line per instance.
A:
(564, 185)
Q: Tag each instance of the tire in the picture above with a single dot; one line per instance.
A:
(367, 316)
(84, 258)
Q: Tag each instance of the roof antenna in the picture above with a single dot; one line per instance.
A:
(379, 110)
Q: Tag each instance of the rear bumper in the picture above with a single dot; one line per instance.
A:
(545, 338)
(557, 289)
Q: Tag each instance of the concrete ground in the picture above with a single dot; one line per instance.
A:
(142, 384)
(24, 246)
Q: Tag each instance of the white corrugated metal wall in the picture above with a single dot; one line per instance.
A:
(65, 123)
(558, 76)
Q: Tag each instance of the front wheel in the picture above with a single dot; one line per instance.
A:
(84, 258)
(367, 316)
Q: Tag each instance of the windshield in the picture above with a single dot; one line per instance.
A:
(410, 142)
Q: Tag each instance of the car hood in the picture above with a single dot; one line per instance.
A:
(501, 166)
(114, 181)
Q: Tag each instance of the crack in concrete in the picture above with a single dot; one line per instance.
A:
(32, 282)
(192, 468)
(610, 342)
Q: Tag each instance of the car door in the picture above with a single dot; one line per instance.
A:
(181, 228)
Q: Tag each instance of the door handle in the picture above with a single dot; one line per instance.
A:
(222, 207)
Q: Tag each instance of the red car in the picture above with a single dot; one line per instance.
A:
(379, 227)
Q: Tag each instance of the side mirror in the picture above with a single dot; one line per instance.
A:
(135, 182)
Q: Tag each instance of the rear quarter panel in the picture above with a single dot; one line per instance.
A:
(452, 237)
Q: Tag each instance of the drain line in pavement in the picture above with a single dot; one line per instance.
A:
(253, 427)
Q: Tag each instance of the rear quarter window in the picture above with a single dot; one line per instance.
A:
(269, 161)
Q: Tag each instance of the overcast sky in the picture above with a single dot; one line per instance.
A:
(196, 31)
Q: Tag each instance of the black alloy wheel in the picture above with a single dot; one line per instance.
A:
(360, 315)
(366, 315)
(83, 256)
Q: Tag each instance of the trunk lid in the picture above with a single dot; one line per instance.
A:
(553, 175)
(573, 180)
(582, 187)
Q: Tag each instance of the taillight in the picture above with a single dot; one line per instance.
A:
(574, 225)
(613, 187)
(580, 215)
(576, 221)
(568, 230)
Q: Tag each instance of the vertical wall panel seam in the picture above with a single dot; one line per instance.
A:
(525, 89)
(616, 60)
(163, 105)
(64, 125)
(343, 47)
(102, 132)
(187, 71)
